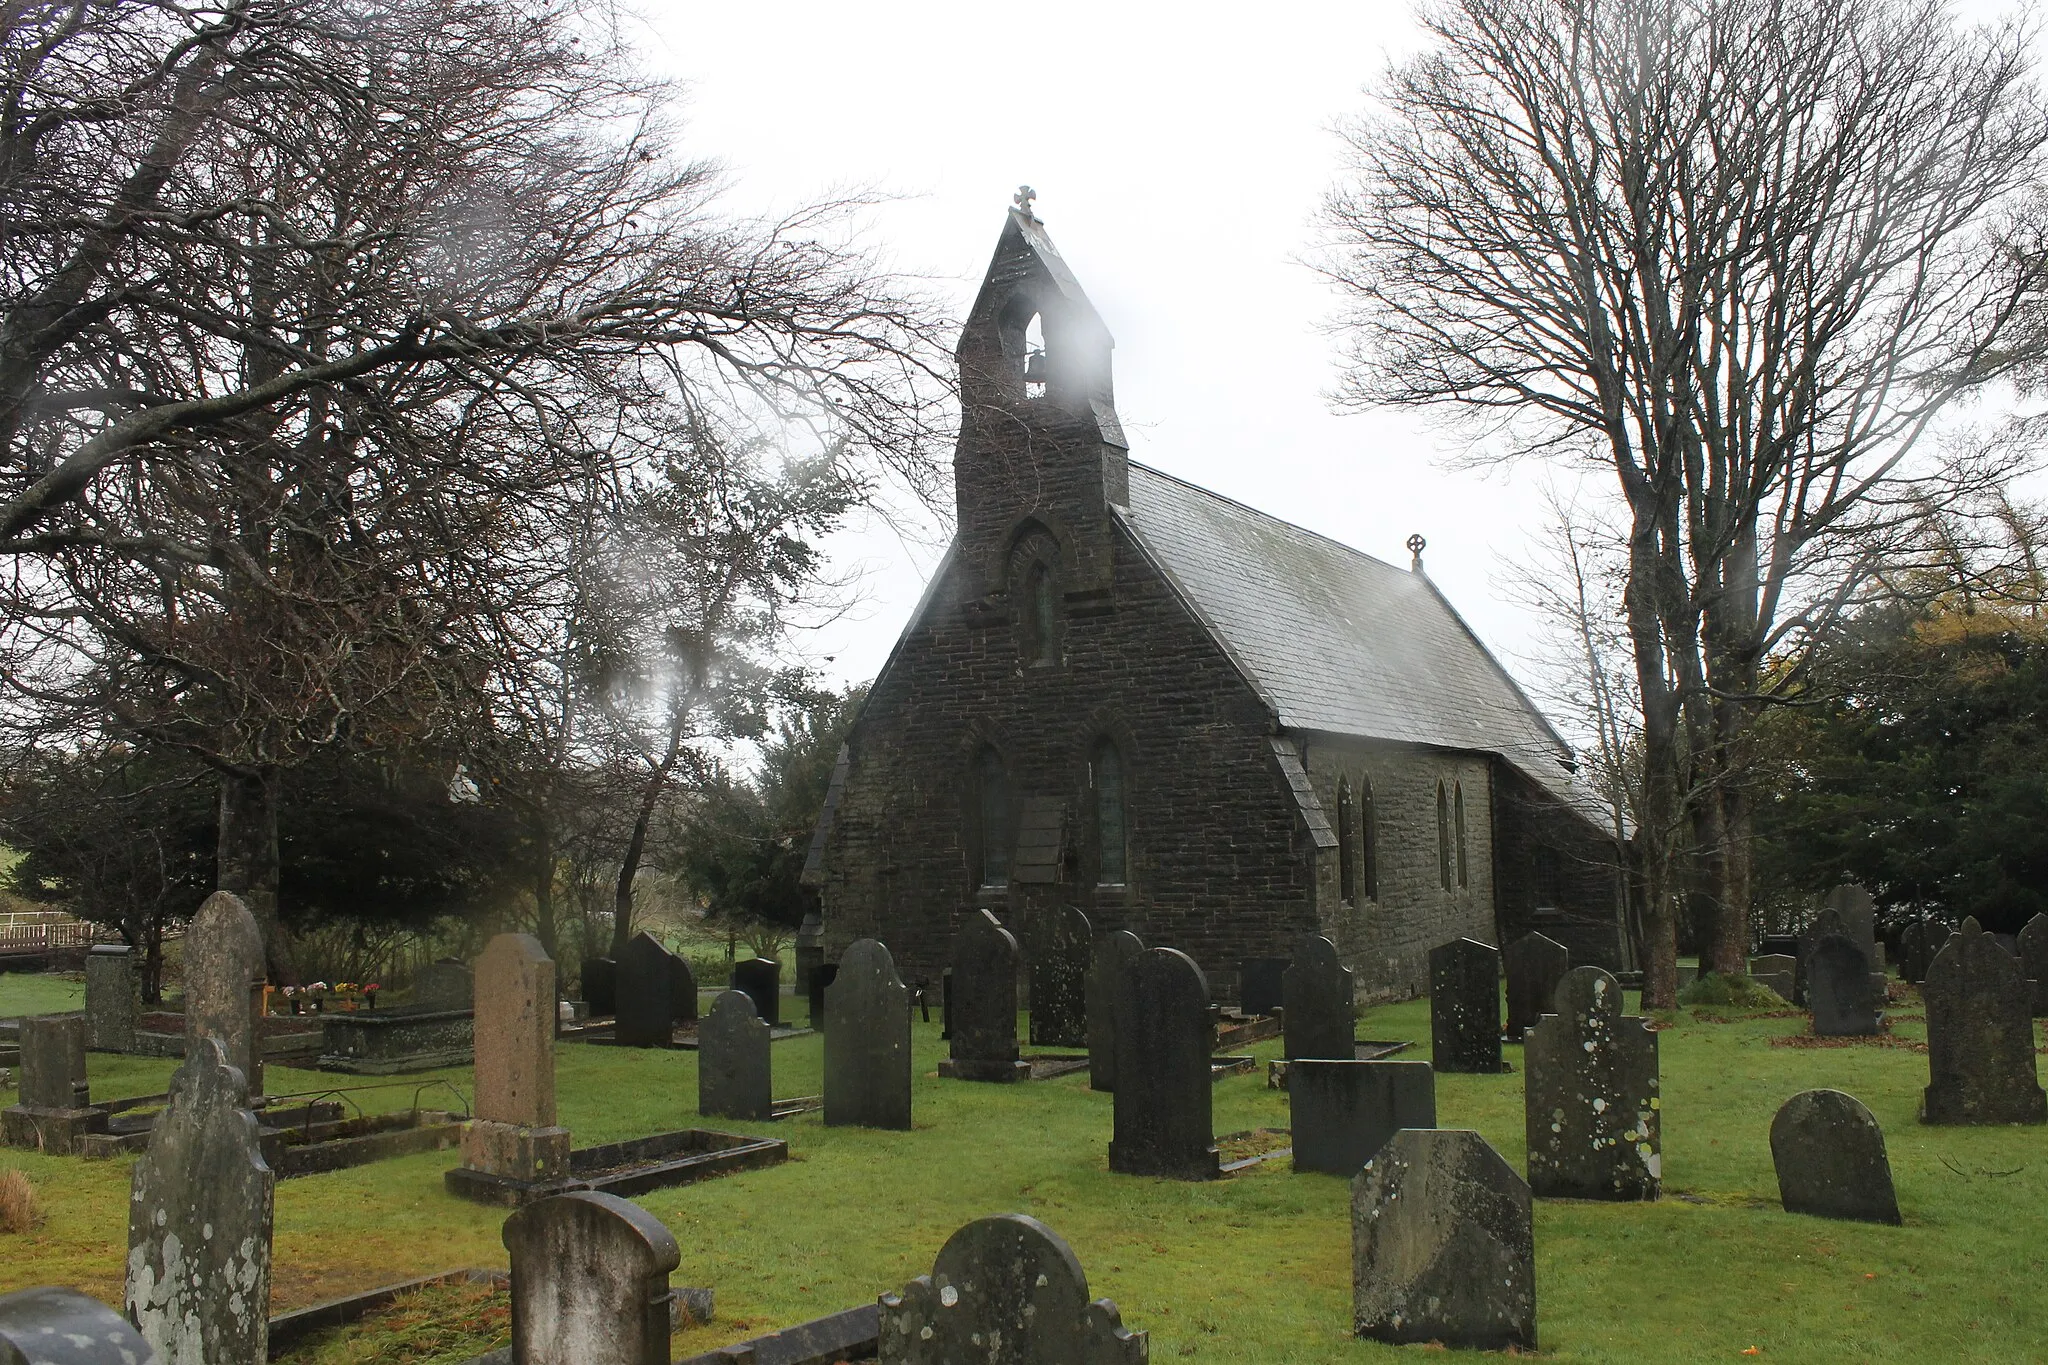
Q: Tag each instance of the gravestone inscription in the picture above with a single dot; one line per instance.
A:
(867, 1041)
(1164, 1094)
(1534, 964)
(113, 998)
(984, 1011)
(646, 983)
(1060, 944)
(1980, 1035)
(2034, 960)
(590, 1281)
(734, 1075)
(1839, 989)
(761, 978)
(1316, 991)
(1112, 957)
(223, 969)
(1590, 1099)
(1464, 1007)
(1342, 1112)
(1831, 1161)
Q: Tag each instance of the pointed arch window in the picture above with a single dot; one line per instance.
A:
(1368, 842)
(992, 818)
(1347, 873)
(1443, 836)
(1458, 816)
(1112, 833)
(1041, 615)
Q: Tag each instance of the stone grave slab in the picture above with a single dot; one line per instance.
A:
(1839, 989)
(1778, 972)
(1534, 964)
(1261, 984)
(590, 1282)
(1061, 940)
(1443, 1245)
(1112, 956)
(601, 986)
(55, 1113)
(734, 1076)
(761, 978)
(1004, 1291)
(645, 985)
(984, 1011)
(867, 1041)
(1980, 1035)
(49, 1325)
(1344, 1111)
(113, 998)
(2033, 944)
(1831, 1161)
(199, 1221)
(1163, 1112)
(1316, 992)
(1590, 1096)
(1464, 1007)
(514, 1134)
(223, 970)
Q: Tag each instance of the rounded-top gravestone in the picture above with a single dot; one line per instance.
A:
(1060, 945)
(1112, 957)
(1839, 989)
(1534, 964)
(867, 1041)
(1316, 991)
(1831, 1161)
(1162, 1115)
(984, 1008)
(49, 1325)
(589, 1281)
(734, 1075)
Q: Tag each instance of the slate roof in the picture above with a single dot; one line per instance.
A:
(1335, 640)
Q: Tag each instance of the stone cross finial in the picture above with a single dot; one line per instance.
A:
(1022, 199)
(1415, 547)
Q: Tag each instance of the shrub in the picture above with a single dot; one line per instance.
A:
(19, 1209)
(1740, 992)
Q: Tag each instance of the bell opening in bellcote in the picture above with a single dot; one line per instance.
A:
(1036, 371)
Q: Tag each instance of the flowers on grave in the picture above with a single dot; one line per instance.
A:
(370, 994)
(317, 993)
(291, 999)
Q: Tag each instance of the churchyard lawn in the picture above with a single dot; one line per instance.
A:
(1250, 1270)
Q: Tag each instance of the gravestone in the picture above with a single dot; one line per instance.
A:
(514, 1133)
(1060, 943)
(1831, 1161)
(644, 1007)
(54, 1108)
(1838, 990)
(1316, 992)
(867, 1041)
(821, 981)
(1918, 943)
(734, 1079)
(984, 1014)
(1111, 958)
(113, 998)
(1590, 1102)
(761, 978)
(682, 990)
(2034, 961)
(49, 1325)
(1777, 971)
(199, 1221)
(223, 967)
(1980, 1035)
(1162, 1115)
(589, 1281)
(1464, 1007)
(1443, 1244)
(1859, 917)
(1342, 1112)
(1534, 965)
(810, 953)
(1004, 1291)
(601, 986)
(1261, 985)
(444, 985)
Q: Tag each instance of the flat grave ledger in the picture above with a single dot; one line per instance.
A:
(1464, 1007)
(393, 1042)
(1830, 1157)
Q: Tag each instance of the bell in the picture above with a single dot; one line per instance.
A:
(1034, 368)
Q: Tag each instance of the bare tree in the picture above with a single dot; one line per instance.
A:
(1745, 254)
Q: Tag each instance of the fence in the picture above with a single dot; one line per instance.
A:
(22, 934)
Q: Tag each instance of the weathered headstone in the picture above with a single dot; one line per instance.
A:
(444, 985)
(1060, 942)
(761, 978)
(734, 1079)
(1980, 1035)
(1316, 991)
(199, 1221)
(589, 1282)
(1590, 1096)
(601, 986)
(55, 1106)
(821, 980)
(1004, 1291)
(1778, 972)
(1534, 965)
(1260, 984)
(514, 1133)
(223, 967)
(1830, 1156)
(1918, 943)
(1342, 1112)
(867, 1041)
(1847, 911)
(984, 1043)
(1112, 957)
(2034, 960)
(1859, 917)
(113, 998)
(1162, 1115)
(1464, 1006)
(1443, 1244)
(53, 1326)
(1838, 989)
(644, 1007)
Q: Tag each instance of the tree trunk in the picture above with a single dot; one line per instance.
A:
(636, 846)
(1657, 825)
(248, 860)
(544, 896)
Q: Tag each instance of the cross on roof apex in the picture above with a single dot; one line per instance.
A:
(1022, 199)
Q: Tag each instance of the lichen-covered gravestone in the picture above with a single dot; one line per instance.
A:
(645, 980)
(1534, 964)
(2034, 960)
(734, 1079)
(52, 1326)
(1831, 1161)
(984, 1012)
(761, 978)
(1839, 989)
(1464, 1007)
(55, 1108)
(113, 998)
(1590, 1096)
(223, 969)
(1060, 942)
(1316, 991)
(867, 1041)
(1004, 1291)
(1164, 1094)
(199, 1221)
(1980, 1035)
(514, 1134)
(1112, 957)
(1342, 1112)
(589, 1282)
(1443, 1245)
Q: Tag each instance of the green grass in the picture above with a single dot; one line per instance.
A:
(40, 993)
(1253, 1269)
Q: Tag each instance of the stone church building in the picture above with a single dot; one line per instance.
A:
(1192, 720)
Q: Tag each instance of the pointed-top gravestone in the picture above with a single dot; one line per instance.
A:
(1112, 957)
(1164, 1093)
(734, 1079)
(1443, 1245)
(113, 999)
(984, 1014)
(1980, 1035)
(1316, 992)
(589, 1282)
(2034, 960)
(761, 978)
(1342, 1112)
(223, 969)
(867, 1041)
(1590, 1096)
(1839, 989)
(1464, 1007)
(52, 1326)
(1534, 964)
(1060, 944)
(645, 985)
(1004, 1291)
(199, 1222)
(514, 1134)
(1830, 1157)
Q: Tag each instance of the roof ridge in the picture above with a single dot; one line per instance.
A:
(1263, 515)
